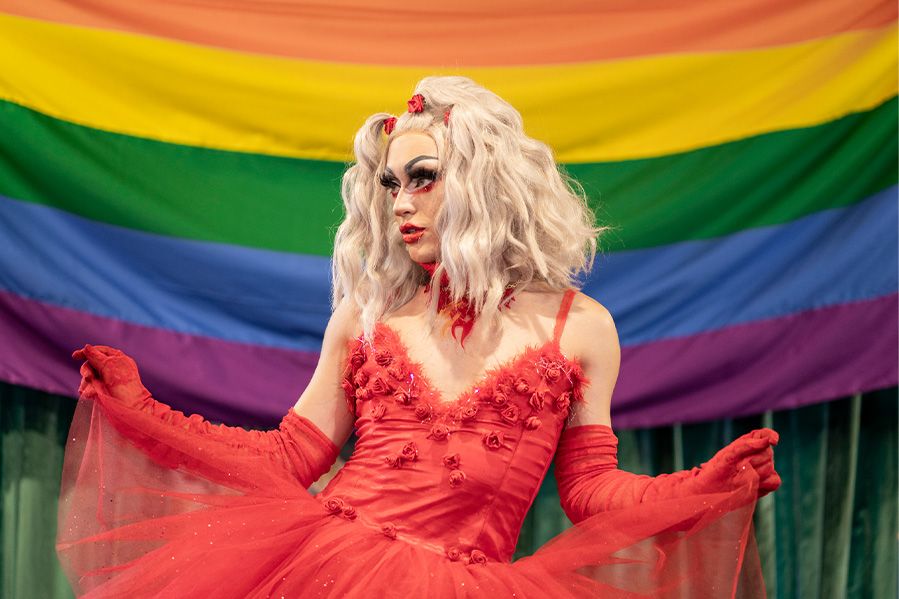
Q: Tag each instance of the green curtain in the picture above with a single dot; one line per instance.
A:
(829, 531)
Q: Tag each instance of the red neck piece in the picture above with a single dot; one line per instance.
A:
(460, 313)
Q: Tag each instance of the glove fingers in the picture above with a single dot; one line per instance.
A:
(765, 456)
(107, 350)
(764, 433)
(769, 484)
(99, 353)
(765, 469)
(743, 448)
(88, 380)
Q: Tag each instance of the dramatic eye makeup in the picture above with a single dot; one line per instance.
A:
(421, 178)
(389, 181)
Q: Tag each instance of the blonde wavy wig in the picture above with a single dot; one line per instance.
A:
(509, 215)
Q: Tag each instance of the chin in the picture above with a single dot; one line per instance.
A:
(424, 256)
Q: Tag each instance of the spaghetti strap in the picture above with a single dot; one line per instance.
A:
(563, 314)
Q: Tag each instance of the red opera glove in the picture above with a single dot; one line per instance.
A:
(111, 377)
(590, 482)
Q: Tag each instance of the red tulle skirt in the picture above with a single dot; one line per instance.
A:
(146, 512)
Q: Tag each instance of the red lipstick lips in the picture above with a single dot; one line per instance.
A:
(411, 233)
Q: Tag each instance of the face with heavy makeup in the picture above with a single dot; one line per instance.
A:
(412, 180)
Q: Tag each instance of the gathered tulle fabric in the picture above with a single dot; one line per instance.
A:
(131, 526)
(155, 504)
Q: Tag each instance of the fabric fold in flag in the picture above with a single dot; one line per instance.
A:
(192, 95)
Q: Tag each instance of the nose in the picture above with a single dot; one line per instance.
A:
(402, 203)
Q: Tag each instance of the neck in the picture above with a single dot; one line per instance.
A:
(461, 313)
(430, 267)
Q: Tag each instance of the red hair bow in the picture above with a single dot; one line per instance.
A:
(416, 103)
(389, 124)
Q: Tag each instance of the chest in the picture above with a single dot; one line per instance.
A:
(381, 378)
(452, 370)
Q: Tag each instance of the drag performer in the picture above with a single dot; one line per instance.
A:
(462, 354)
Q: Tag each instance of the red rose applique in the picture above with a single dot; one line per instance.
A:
(467, 412)
(499, 399)
(521, 386)
(334, 505)
(439, 432)
(360, 378)
(380, 386)
(452, 461)
(363, 393)
(402, 397)
(389, 124)
(423, 411)
(494, 440)
(456, 478)
(416, 103)
(453, 553)
(510, 414)
(552, 372)
(506, 389)
(377, 411)
(389, 530)
(358, 358)
(395, 371)
(394, 460)
(537, 400)
(563, 401)
(477, 557)
(532, 423)
(410, 451)
(349, 512)
(383, 357)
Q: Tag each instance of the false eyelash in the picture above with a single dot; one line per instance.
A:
(423, 173)
(388, 182)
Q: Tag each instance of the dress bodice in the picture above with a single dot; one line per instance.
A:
(456, 476)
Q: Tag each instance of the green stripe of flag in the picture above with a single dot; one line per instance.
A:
(294, 205)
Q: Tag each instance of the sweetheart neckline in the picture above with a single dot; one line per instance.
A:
(480, 381)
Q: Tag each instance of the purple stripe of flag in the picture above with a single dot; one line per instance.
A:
(773, 364)
(778, 363)
(225, 381)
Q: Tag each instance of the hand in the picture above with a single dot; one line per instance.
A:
(750, 454)
(112, 369)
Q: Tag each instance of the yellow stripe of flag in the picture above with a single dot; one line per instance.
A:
(588, 112)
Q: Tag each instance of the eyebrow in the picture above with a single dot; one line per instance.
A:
(412, 162)
(408, 167)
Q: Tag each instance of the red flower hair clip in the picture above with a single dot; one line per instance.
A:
(389, 124)
(416, 103)
(446, 117)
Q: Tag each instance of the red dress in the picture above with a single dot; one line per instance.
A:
(429, 505)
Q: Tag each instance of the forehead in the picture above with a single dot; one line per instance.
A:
(408, 146)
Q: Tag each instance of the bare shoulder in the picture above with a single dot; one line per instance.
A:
(590, 329)
(345, 323)
(590, 336)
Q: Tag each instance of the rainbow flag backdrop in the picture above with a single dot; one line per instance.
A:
(169, 185)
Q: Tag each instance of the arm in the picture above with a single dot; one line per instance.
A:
(323, 402)
(587, 457)
(304, 446)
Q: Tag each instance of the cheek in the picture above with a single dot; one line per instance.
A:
(435, 199)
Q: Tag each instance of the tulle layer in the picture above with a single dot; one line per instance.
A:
(141, 523)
